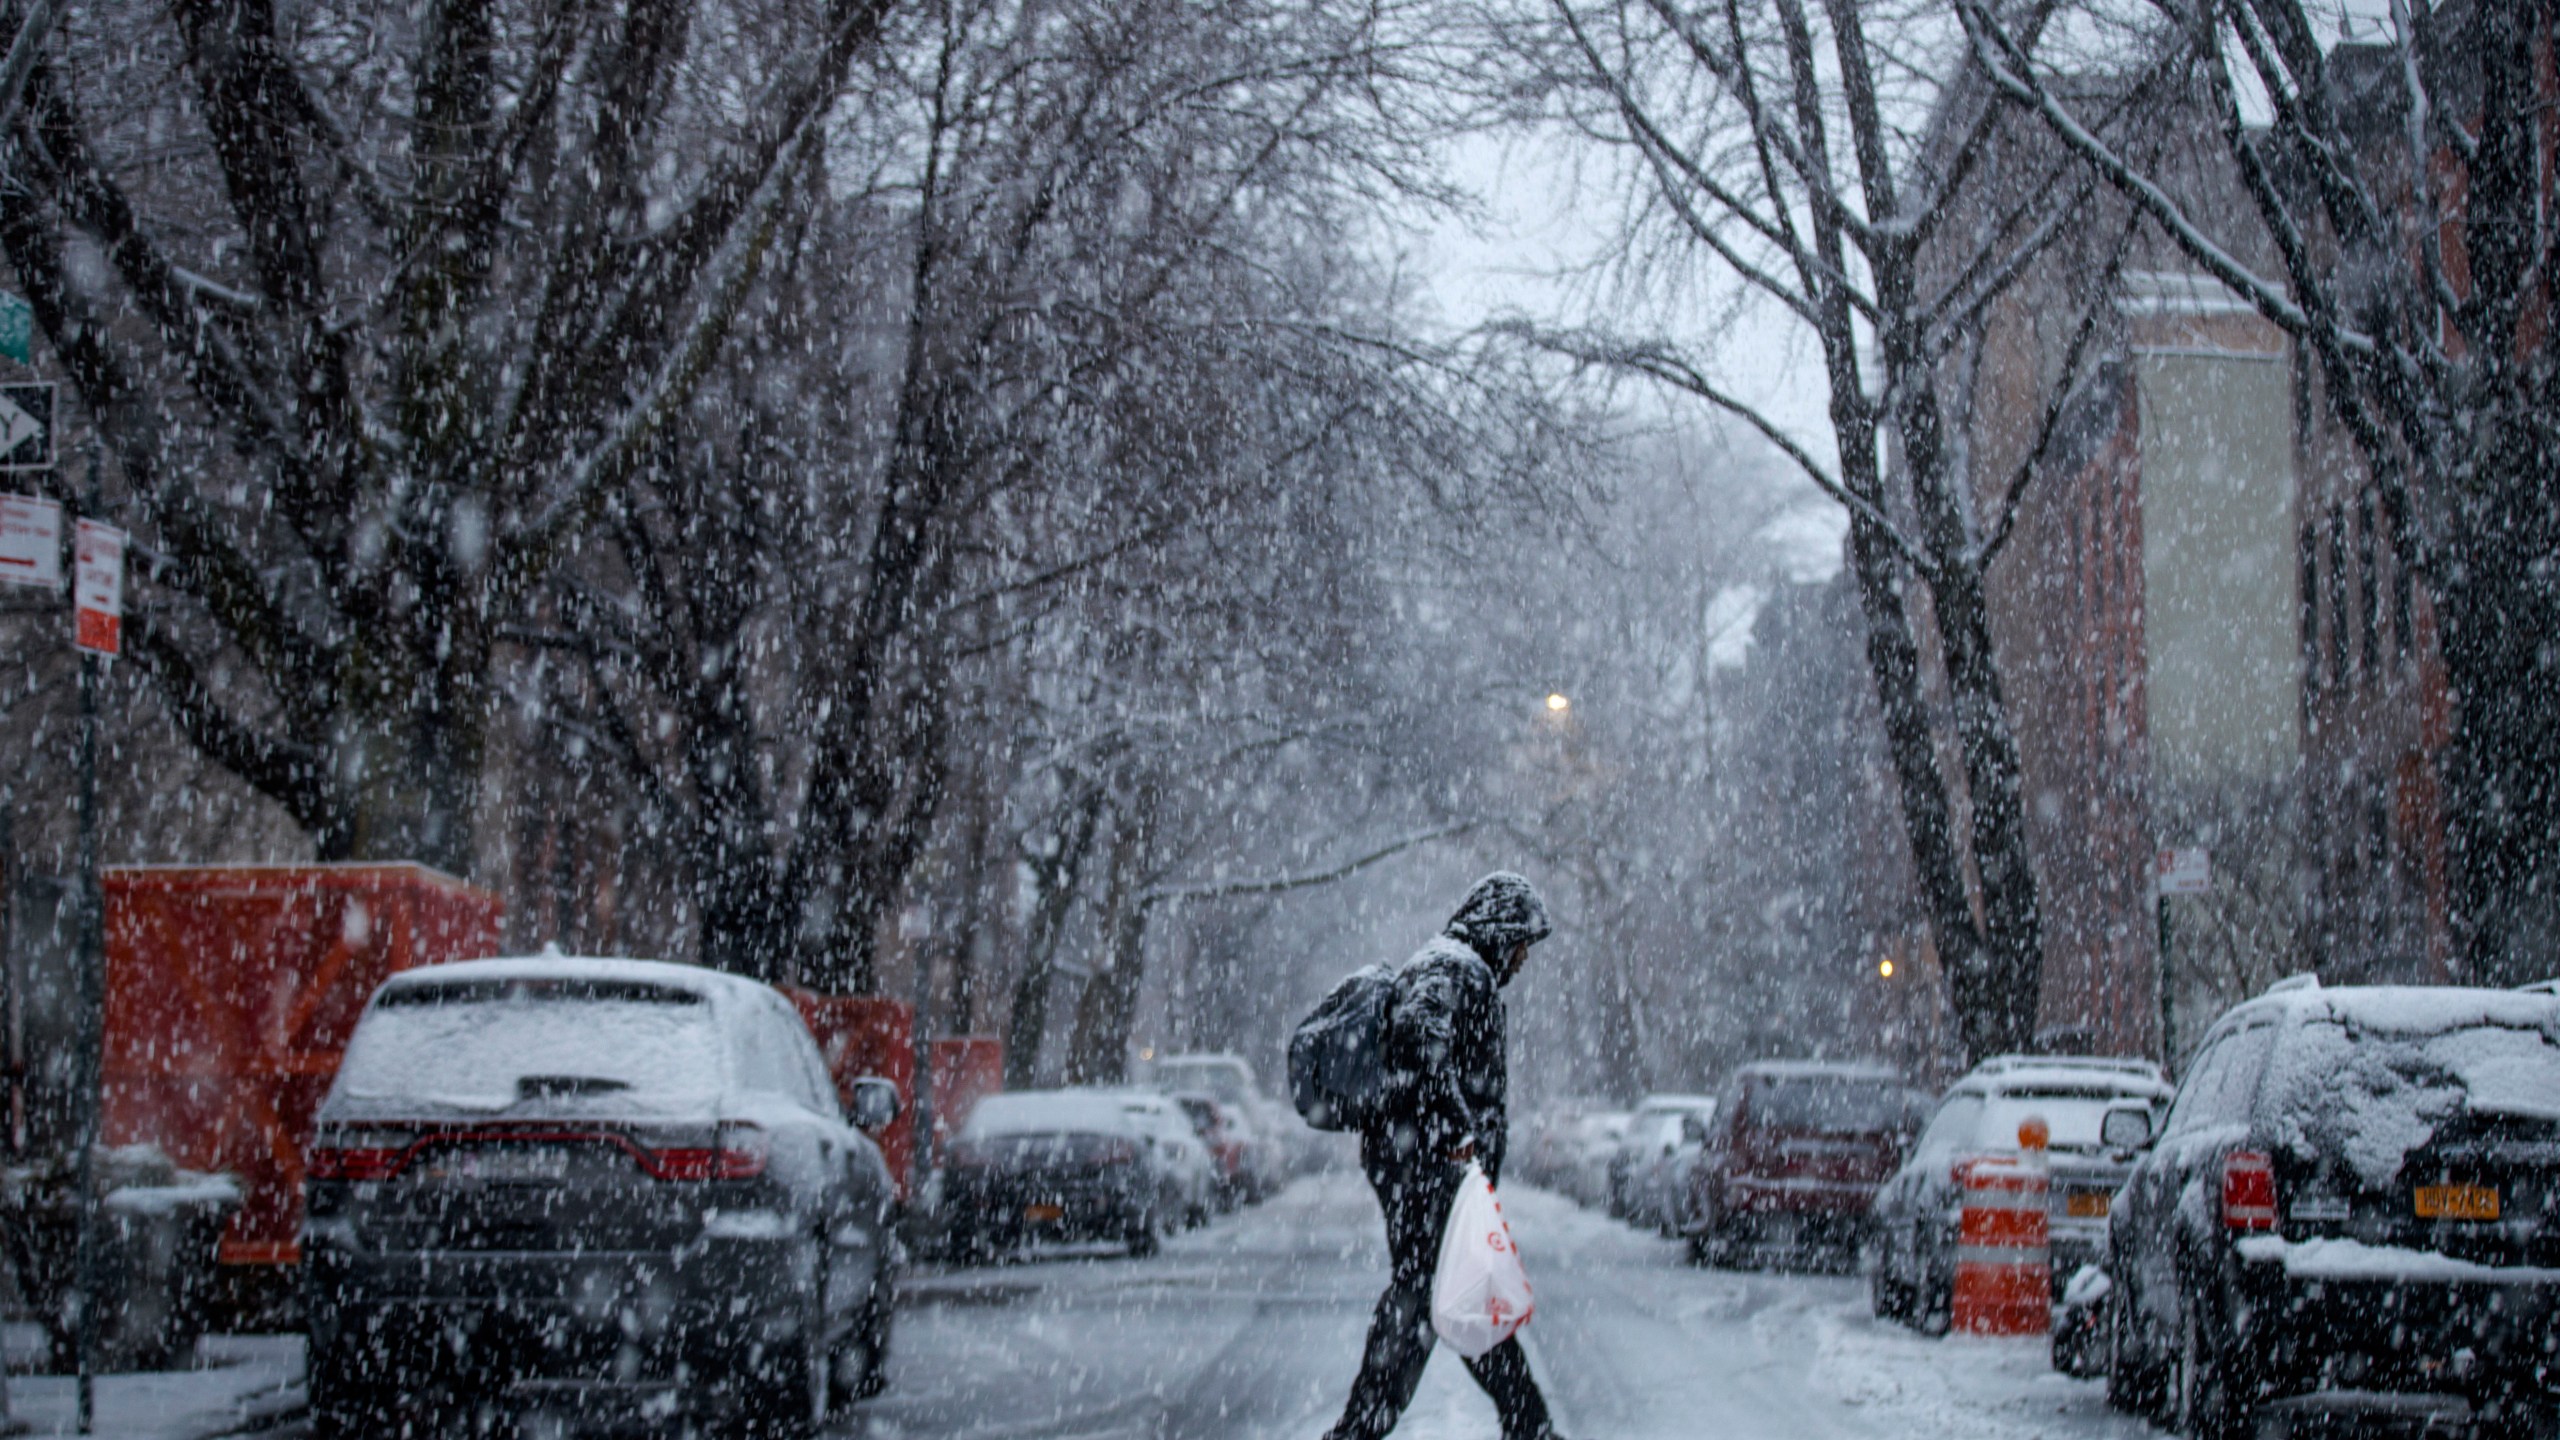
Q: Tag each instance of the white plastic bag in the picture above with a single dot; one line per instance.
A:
(1479, 1295)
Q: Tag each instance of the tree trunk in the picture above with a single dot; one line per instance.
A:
(1928, 820)
(2499, 599)
(1098, 1048)
(977, 868)
(1998, 992)
(412, 766)
(1027, 1024)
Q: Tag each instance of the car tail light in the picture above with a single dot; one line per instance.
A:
(740, 1154)
(2248, 1191)
(358, 1154)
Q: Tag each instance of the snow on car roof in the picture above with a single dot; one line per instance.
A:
(2415, 1009)
(1218, 1058)
(555, 966)
(484, 1036)
(1668, 1101)
(1036, 1112)
(2073, 1080)
(1805, 1069)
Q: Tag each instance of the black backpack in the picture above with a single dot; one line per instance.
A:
(1337, 1071)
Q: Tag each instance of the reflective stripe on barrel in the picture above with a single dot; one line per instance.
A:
(2004, 1270)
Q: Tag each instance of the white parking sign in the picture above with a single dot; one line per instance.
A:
(97, 590)
(2186, 872)
(30, 541)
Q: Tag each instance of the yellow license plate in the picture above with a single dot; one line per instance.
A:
(2458, 1202)
(2089, 1205)
(1044, 1212)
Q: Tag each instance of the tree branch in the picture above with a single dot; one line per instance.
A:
(1280, 884)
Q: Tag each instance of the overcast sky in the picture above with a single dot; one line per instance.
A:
(1531, 251)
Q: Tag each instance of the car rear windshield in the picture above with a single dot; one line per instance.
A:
(2370, 1097)
(2072, 1115)
(1837, 1105)
(491, 1044)
(1039, 1114)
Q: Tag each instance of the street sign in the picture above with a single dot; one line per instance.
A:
(2186, 872)
(17, 328)
(26, 425)
(30, 541)
(97, 587)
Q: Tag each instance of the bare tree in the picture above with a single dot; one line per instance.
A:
(2403, 184)
(410, 297)
(1820, 159)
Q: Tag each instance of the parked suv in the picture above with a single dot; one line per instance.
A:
(1912, 1255)
(614, 1182)
(1793, 1158)
(2357, 1190)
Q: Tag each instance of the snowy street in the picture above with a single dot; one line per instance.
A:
(1251, 1329)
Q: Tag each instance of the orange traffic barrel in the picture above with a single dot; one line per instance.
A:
(2004, 1270)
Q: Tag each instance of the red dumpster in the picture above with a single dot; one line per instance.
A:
(966, 1070)
(231, 990)
(869, 1035)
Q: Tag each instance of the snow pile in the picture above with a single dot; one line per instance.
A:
(247, 1382)
(193, 1190)
(2343, 1259)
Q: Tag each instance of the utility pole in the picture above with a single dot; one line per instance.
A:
(2168, 992)
(91, 970)
(16, 1019)
(13, 1011)
(920, 1044)
(2185, 871)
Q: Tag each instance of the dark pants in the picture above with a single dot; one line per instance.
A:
(1416, 1194)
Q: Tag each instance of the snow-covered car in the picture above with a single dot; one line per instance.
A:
(1794, 1157)
(1070, 1165)
(1645, 1170)
(1912, 1243)
(619, 1178)
(1582, 1153)
(2355, 1192)
(1240, 1176)
(1179, 1150)
(1270, 1127)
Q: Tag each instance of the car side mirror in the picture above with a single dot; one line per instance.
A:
(876, 1104)
(2127, 1127)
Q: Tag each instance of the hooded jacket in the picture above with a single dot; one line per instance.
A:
(1445, 1045)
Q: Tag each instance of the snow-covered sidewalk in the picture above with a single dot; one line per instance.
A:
(1632, 1342)
(244, 1382)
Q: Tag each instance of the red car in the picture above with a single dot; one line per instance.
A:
(1221, 1131)
(1794, 1157)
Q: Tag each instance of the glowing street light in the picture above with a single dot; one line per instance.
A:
(1557, 704)
(1885, 968)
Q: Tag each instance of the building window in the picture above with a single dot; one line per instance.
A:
(2368, 587)
(2338, 594)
